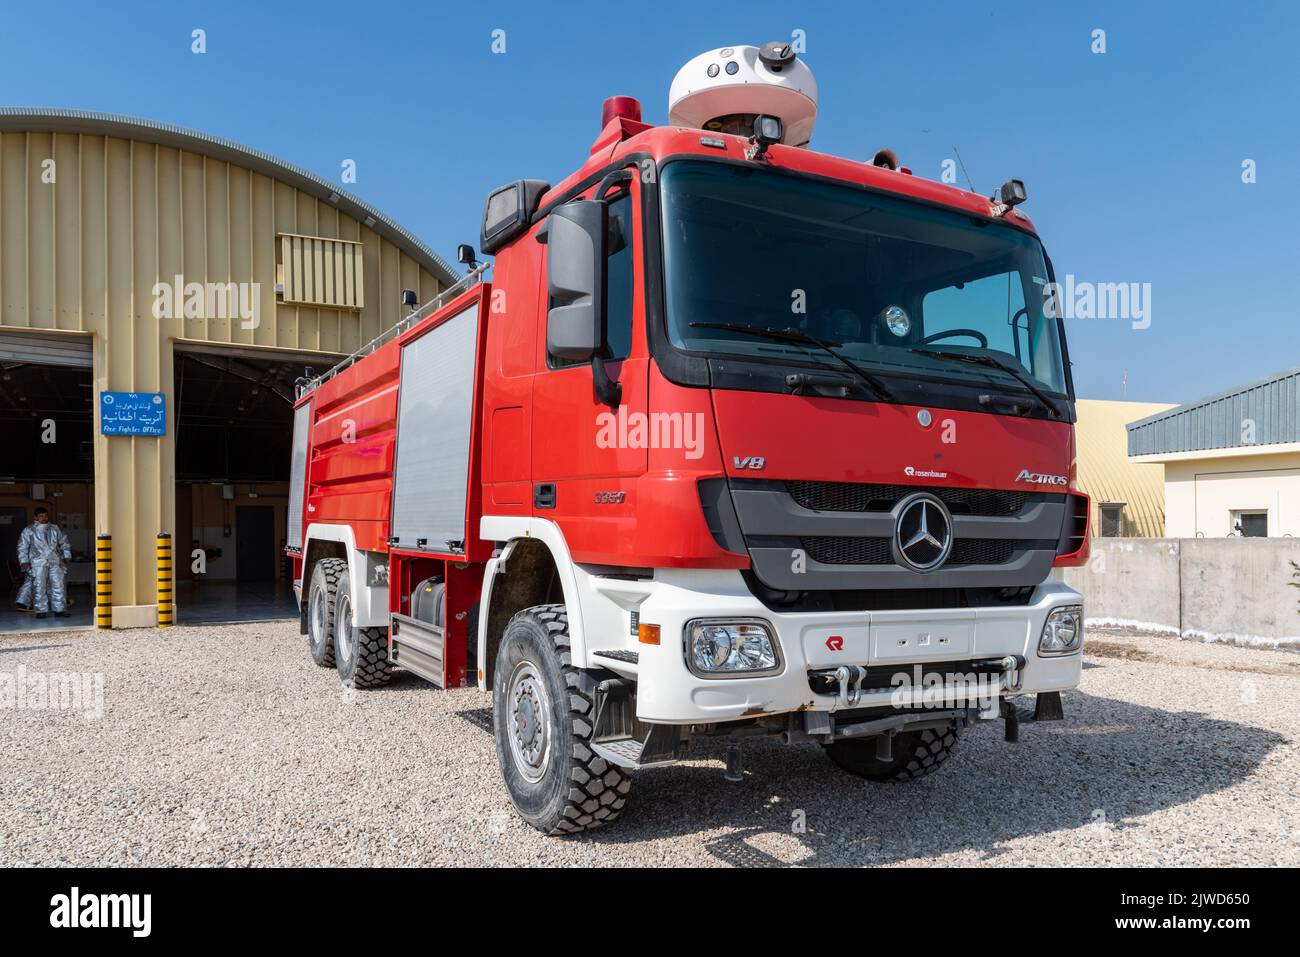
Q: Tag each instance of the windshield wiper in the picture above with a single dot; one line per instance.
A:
(798, 337)
(981, 359)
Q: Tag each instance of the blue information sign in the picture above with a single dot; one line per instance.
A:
(132, 413)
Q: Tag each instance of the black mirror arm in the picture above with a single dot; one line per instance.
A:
(609, 391)
(619, 177)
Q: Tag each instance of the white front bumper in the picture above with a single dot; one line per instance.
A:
(668, 692)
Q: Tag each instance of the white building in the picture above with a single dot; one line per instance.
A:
(1232, 461)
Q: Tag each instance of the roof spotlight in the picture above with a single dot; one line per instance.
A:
(1009, 194)
(767, 130)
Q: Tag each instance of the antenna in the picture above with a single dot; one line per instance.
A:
(969, 182)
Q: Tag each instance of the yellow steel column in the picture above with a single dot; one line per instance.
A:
(166, 610)
(104, 581)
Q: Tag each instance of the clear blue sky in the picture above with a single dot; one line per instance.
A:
(1132, 158)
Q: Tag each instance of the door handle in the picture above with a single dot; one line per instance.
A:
(544, 495)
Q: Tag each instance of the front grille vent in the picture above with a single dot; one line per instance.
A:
(829, 550)
(857, 497)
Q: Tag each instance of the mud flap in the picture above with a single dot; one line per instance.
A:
(1048, 707)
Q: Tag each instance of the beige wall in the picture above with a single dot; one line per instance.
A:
(1201, 494)
(81, 255)
(1105, 471)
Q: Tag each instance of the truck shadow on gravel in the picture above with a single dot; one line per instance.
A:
(1108, 763)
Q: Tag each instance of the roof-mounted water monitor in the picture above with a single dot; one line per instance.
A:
(724, 90)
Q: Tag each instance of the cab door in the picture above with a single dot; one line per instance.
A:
(587, 455)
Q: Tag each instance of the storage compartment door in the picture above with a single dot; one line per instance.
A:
(298, 474)
(434, 410)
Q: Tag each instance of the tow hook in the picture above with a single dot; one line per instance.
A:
(1009, 667)
(846, 673)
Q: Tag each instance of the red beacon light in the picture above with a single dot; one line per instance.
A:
(620, 107)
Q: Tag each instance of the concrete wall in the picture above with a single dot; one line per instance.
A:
(1214, 589)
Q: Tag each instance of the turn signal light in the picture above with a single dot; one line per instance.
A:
(647, 634)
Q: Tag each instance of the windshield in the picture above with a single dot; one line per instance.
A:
(895, 283)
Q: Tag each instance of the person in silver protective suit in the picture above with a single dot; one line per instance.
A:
(25, 590)
(44, 550)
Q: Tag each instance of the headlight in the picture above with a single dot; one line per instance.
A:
(724, 649)
(1062, 632)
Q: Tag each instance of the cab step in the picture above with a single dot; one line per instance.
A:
(627, 657)
(617, 735)
(657, 749)
(623, 752)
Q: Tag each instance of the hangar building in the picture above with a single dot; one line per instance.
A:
(160, 292)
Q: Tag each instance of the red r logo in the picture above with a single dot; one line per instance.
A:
(835, 643)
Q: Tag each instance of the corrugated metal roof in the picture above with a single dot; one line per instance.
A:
(1261, 413)
(45, 120)
(1106, 473)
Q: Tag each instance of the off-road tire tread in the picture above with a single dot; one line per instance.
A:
(930, 749)
(598, 790)
(373, 667)
(334, 569)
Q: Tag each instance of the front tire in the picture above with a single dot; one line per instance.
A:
(543, 728)
(360, 654)
(321, 603)
(916, 754)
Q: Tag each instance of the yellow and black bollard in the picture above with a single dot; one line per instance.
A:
(104, 581)
(166, 609)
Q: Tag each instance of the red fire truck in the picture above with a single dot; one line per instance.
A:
(740, 439)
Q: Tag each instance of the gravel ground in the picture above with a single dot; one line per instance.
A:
(224, 745)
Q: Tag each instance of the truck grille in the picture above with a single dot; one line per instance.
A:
(876, 551)
(1001, 538)
(855, 497)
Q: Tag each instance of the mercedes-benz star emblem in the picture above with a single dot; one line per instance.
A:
(923, 532)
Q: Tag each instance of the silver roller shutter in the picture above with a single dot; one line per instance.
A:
(45, 349)
(298, 473)
(433, 425)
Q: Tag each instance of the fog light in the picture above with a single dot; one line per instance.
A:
(1062, 632)
(724, 649)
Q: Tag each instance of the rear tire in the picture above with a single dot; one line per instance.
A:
(321, 596)
(543, 727)
(916, 754)
(360, 654)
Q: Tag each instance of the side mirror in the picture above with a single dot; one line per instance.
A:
(575, 276)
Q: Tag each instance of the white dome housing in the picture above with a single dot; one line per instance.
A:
(724, 89)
